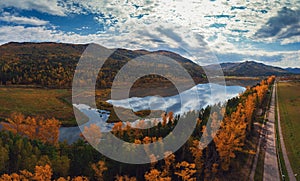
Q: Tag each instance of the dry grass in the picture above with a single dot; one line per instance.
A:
(47, 103)
(289, 103)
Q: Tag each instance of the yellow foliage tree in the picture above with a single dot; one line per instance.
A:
(30, 129)
(171, 116)
(92, 134)
(48, 131)
(155, 175)
(197, 153)
(231, 137)
(26, 175)
(169, 162)
(45, 130)
(5, 177)
(15, 123)
(99, 168)
(186, 171)
(42, 173)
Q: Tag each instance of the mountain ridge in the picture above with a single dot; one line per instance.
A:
(51, 64)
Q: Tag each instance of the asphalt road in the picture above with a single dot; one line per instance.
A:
(271, 170)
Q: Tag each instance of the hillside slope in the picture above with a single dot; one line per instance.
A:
(53, 64)
(249, 68)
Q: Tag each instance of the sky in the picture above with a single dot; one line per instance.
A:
(205, 31)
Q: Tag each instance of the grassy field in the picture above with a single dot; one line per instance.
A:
(281, 164)
(289, 105)
(37, 102)
(51, 103)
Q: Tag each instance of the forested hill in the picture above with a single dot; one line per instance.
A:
(249, 68)
(53, 64)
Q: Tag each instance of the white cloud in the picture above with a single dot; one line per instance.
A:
(23, 20)
(45, 6)
(190, 14)
(295, 39)
(186, 17)
(289, 59)
(38, 34)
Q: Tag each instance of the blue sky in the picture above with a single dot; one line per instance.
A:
(204, 31)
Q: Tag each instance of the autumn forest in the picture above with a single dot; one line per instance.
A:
(29, 147)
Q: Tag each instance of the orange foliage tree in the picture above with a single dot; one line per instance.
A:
(155, 175)
(186, 171)
(231, 137)
(42, 173)
(169, 163)
(99, 168)
(92, 134)
(46, 131)
(15, 123)
(232, 134)
(197, 152)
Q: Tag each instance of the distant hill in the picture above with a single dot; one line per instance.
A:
(53, 64)
(293, 70)
(249, 68)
